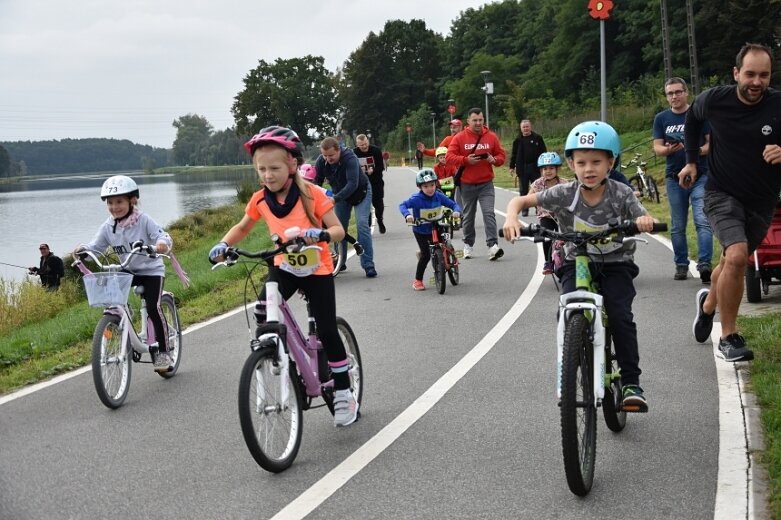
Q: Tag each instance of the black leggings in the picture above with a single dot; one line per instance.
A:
(320, 291)
(425, 254)
(153, 291)
(548, 223)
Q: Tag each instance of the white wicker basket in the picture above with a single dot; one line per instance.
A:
(109, 288)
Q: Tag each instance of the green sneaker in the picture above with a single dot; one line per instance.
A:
(634, 400)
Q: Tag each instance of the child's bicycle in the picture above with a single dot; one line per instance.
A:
(116, 341)
(587, 373)
(286, 369)
(339, 252)
(443, 255)
(643, 183)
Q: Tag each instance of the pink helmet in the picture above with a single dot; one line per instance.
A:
(280, 135)
(308, 172)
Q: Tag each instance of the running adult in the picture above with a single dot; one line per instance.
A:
(744, 180)
(455, 126)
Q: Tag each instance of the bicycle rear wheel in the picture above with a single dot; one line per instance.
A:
(271, 425)
(111, 367)
(338, 256)
(438, 263)
(353, 362)
(171, 315)
(578, 412)
(615, 417)
(452, 261)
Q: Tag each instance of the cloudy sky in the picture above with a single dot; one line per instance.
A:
(126, 70)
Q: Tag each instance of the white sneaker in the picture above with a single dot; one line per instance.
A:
(162, 362)
(345, 408)
(467, 251)
(495, 252)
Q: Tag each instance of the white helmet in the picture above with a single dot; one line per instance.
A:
(119, 185)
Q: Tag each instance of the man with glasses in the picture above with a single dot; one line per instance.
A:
(668, 142)
(50, 269)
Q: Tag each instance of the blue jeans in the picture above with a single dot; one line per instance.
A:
(362, 213)
(679, 213)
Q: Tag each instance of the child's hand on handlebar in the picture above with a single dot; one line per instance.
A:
(217, 253)
(410, 219)
(645, 224)
(512, 229)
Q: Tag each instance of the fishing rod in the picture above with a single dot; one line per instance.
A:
(14, 265)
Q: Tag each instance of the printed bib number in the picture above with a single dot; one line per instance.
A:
(302, 263)
(431, 213)
(587, 139)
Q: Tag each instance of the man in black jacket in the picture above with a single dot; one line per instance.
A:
(370, 159)
(50, 269)
(527, 147)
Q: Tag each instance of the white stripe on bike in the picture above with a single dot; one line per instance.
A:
(341, 474)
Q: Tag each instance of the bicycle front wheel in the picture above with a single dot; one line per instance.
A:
(578, 412)
(171, 315)
(338, 256)
(270, 423)
(438, 263)
(111, 367)
(653, 190)
(452, 270)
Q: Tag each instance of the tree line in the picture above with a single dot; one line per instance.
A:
(542, 57)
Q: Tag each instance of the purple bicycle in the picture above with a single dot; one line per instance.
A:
(286, 369)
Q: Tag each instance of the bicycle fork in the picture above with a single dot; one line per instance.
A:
(591, 305)
(283, 368)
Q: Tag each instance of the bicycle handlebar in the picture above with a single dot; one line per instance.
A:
(293, 245)
(624, 229)
(139, 249)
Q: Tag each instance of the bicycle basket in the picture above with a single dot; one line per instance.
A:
(109, 288)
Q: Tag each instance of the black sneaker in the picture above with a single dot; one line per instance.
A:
(705, 275)
(703, 323)
(681, 272)
(381, 225)
(634, 400)
(733, 348)
(358, 248)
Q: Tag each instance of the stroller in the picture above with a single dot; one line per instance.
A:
(764, 266)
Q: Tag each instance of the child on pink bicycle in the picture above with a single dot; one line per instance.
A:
(549, 164)
(287, 201)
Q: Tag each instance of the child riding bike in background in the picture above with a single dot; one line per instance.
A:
(549, 164)
(445, 173)
(588, 204)
(428, 197)
(287, 201)
(126, 228)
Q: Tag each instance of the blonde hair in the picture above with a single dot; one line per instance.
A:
(303, 185)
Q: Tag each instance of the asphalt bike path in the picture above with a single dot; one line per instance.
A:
(459, 418)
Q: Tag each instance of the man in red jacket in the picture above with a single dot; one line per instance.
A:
(475, 151)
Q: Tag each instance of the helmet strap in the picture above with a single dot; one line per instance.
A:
(586, 188)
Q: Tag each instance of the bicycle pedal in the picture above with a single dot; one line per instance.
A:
(634, 408)
(459, 253)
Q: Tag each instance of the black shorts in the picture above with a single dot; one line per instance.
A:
(732, 222)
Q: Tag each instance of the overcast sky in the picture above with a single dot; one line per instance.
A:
(126, 70)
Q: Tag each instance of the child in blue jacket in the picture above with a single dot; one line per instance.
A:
(428, 198)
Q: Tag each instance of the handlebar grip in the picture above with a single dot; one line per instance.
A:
(530, 230)
(659, 226)
(325, 236)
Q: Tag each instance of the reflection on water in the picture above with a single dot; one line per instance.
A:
(65, 211)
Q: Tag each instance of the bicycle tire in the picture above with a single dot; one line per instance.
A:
(438, 263)
(753, 285)
(272, 430)
(452, 271)
(615, 417)
(637, 185)
(653, 189)
(111, 368)
(338, 258)
(171, 314)
(578, 412)
(353, 362)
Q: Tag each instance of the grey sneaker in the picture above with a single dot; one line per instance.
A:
(733, 348)
(162, 361)
(703, 322)
(681, 272)
(345, 408)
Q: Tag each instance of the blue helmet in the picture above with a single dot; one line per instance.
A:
(548, 159)
(593, 135)
(425, 175)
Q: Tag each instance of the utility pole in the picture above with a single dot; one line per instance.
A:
(668, 68)
(694, 70)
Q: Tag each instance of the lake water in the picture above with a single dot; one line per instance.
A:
(66, 211)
